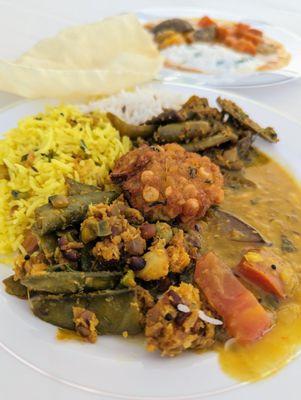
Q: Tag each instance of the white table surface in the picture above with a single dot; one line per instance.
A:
(285, 98)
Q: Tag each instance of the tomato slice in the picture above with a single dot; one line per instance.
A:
(244, 317)
(261, 267)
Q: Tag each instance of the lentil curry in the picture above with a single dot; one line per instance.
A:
(197, 245)
(273, 207)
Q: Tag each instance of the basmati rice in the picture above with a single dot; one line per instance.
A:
(139, 105)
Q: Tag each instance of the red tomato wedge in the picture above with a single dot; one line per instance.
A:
(260, 268)
(244, 317)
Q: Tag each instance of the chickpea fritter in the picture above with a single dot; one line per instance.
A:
(165, 182)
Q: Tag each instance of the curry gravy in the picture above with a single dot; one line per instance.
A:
(273, 207)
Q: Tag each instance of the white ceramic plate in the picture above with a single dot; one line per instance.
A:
(117, 368)
(291, 42)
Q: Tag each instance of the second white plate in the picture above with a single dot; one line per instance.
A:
(291, 42)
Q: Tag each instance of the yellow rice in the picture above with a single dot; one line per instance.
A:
(62, 142)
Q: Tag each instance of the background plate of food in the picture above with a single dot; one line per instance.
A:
(220, 49)
(187, 247)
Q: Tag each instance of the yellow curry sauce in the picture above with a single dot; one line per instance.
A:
(274, 208)
(67, 334)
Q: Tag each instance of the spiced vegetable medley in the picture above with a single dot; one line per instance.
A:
(144, 256)
(238, 36)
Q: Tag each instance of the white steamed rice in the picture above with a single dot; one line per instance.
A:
(139, 105)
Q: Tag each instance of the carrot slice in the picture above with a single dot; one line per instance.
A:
(240, 37)
(245, 46)
(256, 40)
(222, 32)
(256, 32)
(259, 266)
(244, 317)
(205, 21)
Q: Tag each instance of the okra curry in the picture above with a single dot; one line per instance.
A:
(196, 245)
